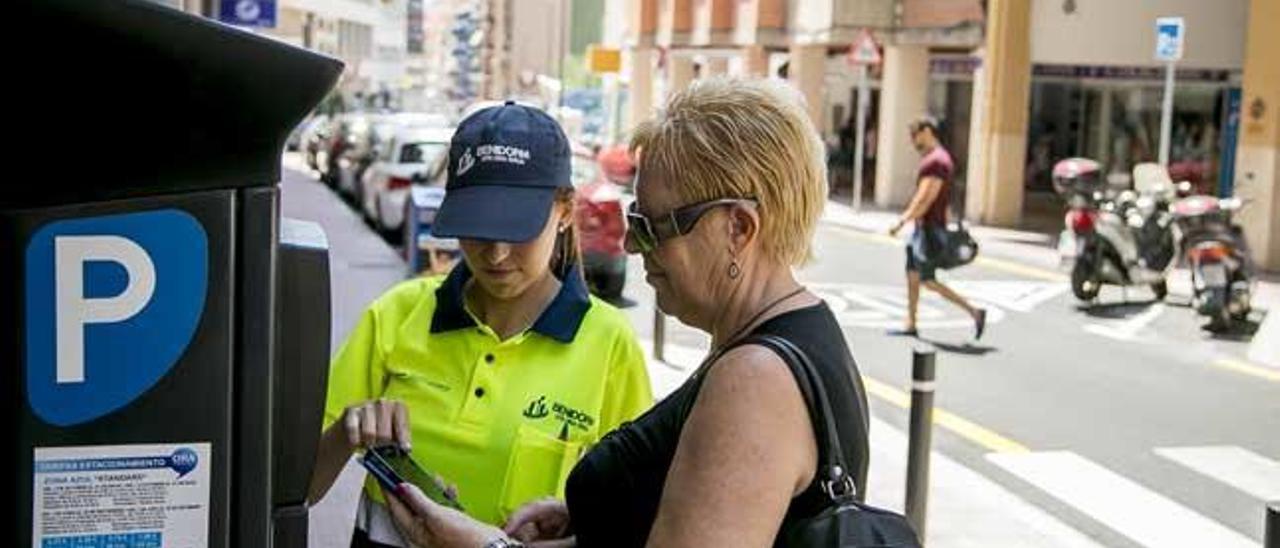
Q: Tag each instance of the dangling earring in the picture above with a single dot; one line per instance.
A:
(734, 269)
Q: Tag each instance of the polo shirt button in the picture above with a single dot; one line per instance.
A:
(488, 358)
(480, 392)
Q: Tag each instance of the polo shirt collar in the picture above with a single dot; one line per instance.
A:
(560, 320)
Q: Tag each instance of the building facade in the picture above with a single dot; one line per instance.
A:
(1019, 84)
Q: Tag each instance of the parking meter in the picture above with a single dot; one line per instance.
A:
(166, 332)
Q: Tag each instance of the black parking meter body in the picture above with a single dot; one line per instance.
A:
(166, 332)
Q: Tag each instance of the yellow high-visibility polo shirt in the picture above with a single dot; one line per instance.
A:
(505, 421)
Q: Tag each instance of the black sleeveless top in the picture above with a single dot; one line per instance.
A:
(613, 492)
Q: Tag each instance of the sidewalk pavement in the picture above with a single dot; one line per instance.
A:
(361, 267)
(966, 510)
(1039, 251)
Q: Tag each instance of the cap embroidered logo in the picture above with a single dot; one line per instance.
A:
(466, 162)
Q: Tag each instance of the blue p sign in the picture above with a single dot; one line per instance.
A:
(111, 304)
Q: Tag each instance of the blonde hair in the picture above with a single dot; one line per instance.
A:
(735, 138)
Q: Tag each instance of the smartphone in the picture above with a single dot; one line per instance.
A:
(382, 472)
(404, 468)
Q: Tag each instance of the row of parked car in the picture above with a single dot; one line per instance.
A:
(375, 161)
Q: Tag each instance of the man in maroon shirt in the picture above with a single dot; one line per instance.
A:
(928, 209)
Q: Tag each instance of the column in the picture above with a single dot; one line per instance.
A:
(995, 190)
(754, 62)
(640, 91)
(807, 71)
(1258, 152)
(904, 86)
(679, 72)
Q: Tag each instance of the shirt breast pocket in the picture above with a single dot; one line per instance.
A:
(416, 389)
(537, 468)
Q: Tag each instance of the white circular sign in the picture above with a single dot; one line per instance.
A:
(248, 10)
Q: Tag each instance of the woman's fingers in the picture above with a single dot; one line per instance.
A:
(400, 425)
(384, 410)
(401, 513)
(416, 500)
(368, 425)
(526, 533)
(525, 515)
(377, 423)
(543, 515)
(351, 423)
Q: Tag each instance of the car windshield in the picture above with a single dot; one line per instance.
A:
(421, 153)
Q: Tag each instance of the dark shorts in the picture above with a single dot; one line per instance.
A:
(923, 248)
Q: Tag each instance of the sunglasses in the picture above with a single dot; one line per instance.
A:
(644, 234)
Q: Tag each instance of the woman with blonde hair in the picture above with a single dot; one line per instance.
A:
(731, 183)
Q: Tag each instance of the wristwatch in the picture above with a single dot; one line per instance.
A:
(504, 542)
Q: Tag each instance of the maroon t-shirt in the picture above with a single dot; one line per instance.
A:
(937, 163)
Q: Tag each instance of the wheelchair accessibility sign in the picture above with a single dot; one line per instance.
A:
(111, 304)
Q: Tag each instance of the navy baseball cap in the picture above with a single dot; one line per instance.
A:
(505, 164)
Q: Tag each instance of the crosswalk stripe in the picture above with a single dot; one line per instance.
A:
(966, 508)
(1119, 503)
(1235, 466)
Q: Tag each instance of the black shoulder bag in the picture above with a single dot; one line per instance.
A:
(961, 249)
(845, 523)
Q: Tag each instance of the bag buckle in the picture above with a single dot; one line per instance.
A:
(840, 485)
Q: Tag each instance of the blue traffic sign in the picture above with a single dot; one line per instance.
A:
(1170, 33)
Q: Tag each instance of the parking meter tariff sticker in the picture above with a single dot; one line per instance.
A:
(111, 304)
(121, 496)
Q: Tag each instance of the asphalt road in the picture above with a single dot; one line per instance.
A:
(1127, 403)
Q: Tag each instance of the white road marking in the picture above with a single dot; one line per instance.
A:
(965, 507)
(884, 306)
(1146, 517)
(1126, 330)
(1015, 295)
(1235, 466)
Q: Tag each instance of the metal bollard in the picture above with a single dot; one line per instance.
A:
(920, 437)
(1271, 533)
(659, 334)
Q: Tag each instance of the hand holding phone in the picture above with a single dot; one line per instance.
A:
(392, 466)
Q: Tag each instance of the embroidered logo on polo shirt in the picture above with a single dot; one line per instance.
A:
(537, 408)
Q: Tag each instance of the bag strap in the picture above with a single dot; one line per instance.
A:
(834, 475)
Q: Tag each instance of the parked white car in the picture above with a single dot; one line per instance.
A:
(411, 152)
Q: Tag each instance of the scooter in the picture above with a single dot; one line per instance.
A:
(1079, 181)
(1218, 257)
(1123, 238)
